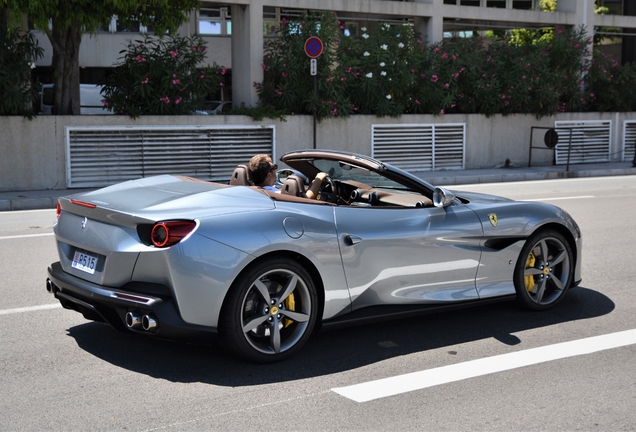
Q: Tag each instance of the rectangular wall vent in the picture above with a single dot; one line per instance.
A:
(629, 140)
(590, 141)
(101, 156)
(420, 147)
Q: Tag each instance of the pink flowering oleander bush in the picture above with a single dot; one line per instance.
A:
(288, 86)
(159, 76)
(610, 85)
(389, 71)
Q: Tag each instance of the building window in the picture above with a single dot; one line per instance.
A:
(615, 6)
(522, 4)
(118, 26)
(350, 28)
(214, 20)
(271, 20)
(496, 4)
(470, 2)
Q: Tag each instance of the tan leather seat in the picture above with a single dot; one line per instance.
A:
(241, 177)
(294, 186)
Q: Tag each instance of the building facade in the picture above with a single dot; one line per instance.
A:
(236, 29)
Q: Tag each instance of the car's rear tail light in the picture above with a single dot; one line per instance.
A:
(166, 234)
(82, 203)
(58, 210)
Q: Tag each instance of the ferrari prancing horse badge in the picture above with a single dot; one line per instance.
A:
(493, 219)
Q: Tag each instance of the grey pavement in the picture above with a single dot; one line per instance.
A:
(47, 199)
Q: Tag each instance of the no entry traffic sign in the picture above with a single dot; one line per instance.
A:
(313, 47)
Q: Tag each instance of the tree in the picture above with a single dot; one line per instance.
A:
(18, 52)
(64, 22)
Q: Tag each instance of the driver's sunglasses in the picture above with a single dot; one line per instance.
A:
(273, 167)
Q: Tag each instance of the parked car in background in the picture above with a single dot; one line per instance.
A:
(90, 99)
(215, 107)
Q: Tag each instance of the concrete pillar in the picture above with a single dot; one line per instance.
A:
(430, 29)
(584, 10)
(247, 52)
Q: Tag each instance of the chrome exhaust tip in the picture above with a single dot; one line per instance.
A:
(133, 320)
(50, 286)
(149, 323)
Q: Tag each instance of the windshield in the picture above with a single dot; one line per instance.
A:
(343, 172)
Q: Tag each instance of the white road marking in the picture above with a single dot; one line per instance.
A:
(561, 198)
(30, 309)
(25, 236)
(382, 388)
(14, 212)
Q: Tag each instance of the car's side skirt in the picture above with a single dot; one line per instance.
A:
(389, 312)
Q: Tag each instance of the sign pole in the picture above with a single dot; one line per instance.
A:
(313, 49)
(315, 92)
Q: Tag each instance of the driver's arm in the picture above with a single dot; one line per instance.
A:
(312, 192)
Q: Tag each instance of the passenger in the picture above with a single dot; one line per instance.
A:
(263, 173)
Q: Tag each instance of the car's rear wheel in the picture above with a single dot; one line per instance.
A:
(544, 270)
(270, 311)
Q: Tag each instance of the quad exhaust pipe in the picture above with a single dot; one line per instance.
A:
(137, 321)
(149, 323)
(50, 286)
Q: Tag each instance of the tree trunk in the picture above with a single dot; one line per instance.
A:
(66, 44)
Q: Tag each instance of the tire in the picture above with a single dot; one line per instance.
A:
(544, 270)
(270, 311)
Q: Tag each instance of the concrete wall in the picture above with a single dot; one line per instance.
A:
(34, 152)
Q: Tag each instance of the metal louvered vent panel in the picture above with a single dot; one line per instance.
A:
(420, 147)
(629, 140)
(99, 157)
(449, 146)
(590, 141)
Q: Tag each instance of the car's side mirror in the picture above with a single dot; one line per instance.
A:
(282, 174)
(443, 197)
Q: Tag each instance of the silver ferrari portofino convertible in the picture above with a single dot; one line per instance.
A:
(180, 258)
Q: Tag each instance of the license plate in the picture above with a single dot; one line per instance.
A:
(84, 262)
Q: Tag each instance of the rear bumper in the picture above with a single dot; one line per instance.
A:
(110, 305)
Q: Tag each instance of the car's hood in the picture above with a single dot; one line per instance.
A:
(481, 198)
(174, 196)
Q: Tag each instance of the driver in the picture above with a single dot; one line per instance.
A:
(263, 173)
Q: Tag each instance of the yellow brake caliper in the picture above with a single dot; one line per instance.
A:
(529, 278)
(290, 304)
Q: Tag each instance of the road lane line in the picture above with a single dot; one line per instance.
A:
(382, 388)
(25, 236)
(561, 198)
(30, 309)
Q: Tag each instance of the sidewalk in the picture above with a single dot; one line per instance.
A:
(47, 199)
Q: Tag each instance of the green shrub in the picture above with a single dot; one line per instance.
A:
(18, 52)
(390, 71)
(160, 76)
(288, 85)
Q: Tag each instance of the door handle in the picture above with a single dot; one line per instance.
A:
(351, 240)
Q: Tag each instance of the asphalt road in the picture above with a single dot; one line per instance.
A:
(61, 372)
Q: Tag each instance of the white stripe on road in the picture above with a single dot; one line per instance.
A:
(561, 198)
(30, 309)
(423, 379)
(25, 236)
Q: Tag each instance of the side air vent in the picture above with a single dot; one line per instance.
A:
(101, 156)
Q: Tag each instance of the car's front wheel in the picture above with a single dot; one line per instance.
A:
(270, 311)
(544, 270)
